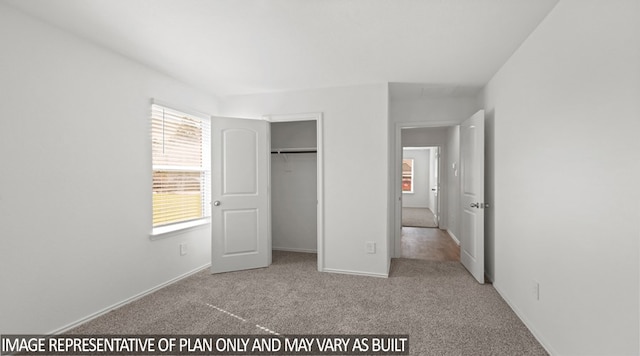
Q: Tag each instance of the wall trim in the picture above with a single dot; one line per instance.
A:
(455, 239)
(526, 321)
(356, 273)
(126, 301)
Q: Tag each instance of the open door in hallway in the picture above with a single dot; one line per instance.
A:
(240, 212)
(472, 195)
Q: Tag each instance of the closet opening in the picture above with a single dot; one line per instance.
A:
(296, 184)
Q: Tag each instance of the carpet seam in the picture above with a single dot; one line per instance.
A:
(242, 319)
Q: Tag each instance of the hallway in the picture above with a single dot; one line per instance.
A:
(418, 217)
(428, 244)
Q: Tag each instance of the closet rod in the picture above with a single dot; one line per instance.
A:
(287, 152)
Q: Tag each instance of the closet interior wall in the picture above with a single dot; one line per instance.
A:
(294, 186)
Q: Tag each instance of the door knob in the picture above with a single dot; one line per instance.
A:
(475, 205)
(216, 203)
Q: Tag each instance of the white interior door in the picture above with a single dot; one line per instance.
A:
(472, 195)
(241, 237)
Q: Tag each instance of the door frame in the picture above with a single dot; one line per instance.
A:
(318, 118)
(438, 199)
(396, 165)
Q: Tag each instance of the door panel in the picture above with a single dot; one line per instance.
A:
(240, 223)
(469, 223)
(241, 237)
(472, 195)
(239, 161)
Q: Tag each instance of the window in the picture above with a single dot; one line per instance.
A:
(407, 175)
(181, 146)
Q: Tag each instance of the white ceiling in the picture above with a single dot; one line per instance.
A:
(232, 47)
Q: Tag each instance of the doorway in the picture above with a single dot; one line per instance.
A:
(430, 244)
(420, 186)
(463, 189)
(421, 236)
(439, 144)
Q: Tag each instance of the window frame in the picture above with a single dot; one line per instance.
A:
(411, 176)
(162, 230)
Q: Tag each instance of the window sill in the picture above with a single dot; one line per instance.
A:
(173, 229)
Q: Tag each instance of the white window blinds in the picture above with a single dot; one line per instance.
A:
(181, 146)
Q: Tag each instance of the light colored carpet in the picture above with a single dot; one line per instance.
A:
(418, 217)
(440, 306)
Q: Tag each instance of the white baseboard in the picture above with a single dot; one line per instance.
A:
(455, 239)
(304, 250)
(356, 273)
(126, 301)
(525, 321)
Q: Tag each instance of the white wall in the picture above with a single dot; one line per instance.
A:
(294, 202)
(447, 109)
(355, 166)
(564, 114)
(424, 136)
(293, 134)
(420, 196)
(75, 179)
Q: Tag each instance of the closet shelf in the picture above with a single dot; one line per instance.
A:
(294, 150)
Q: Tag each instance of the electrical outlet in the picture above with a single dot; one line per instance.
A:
(370, 247)
(183, 249)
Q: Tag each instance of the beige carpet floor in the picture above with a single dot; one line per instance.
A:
(418, 217)
(440, 306)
